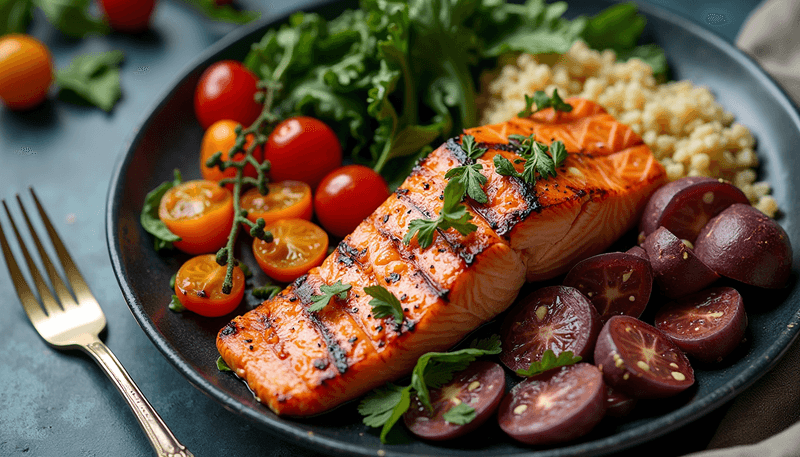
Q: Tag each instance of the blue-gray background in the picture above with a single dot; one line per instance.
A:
(60, 403)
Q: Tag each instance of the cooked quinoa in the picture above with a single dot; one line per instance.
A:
(687, 130)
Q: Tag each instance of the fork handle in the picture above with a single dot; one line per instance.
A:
(162, 439)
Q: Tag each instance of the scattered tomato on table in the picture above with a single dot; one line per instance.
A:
(226, 90)
(200, 212)
(346, 196)
(26, 71)
(302, 149)
(129, 16)
(198, 286)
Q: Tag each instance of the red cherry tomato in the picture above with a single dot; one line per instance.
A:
(225, 91)
(347, 196)
(302, 149)
(129, 16)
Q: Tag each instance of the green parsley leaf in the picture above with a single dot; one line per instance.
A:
(536, 157)
(453, 214)
(460, 414)
(471, 178)
(221, 365)
(541, 160)
(72, 17)
(504, 167)
(384, 303)
(471, 147)
(559, 153)
(149, 219)
(15, 16)
(548, 362)
(424, 229)
(265, 292)
(384, 406)
(223, 13)
(245, 269)
(93, 78)
(172, 281)
(337, 290)
(542, 101)
(176, 305)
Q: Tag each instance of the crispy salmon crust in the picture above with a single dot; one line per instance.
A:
(302, 363)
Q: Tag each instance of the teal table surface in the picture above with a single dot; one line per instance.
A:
(60, 403)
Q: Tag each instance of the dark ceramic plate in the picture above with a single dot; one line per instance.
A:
(170, 137)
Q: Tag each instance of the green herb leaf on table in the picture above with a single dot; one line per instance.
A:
(549, 361)
(223, 13)
(176, 305)
(384, 406)
(149, 219)
(72, 17)
(15, 15)
(221, 365)
(94, 78)
(384, 303)
(337, 290)
(460, 414)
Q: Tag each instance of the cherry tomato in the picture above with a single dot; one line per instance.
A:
(198, 286)
(298, 246)
(200, 212)
(221, 136)
(225, 91)
(348, 195)
(26, 71)
(302, 149)
(129, 16)
(285, 200)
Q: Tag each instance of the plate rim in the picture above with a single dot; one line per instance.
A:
(654, 428)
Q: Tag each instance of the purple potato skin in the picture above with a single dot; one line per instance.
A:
(744, 244)
(674, 203)
(676, 269)
(561, 422)
(625, 375)
(706, 345)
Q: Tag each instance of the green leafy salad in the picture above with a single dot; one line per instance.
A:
(392, 77)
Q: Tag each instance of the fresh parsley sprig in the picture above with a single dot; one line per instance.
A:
(384, 406)
(460, 414)
(338, 290)
(471, 147)
(471, 179)
(384, 303)
(542, 101)
(549, 361)
(536, 159)
(453, 214)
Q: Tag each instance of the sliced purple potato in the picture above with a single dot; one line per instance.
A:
(616, 283)
(618, 404)
(676, 269)
(685, 206)
(555, 406)
(707, 325)
(744, 244)
(558, 318)
(639, 251)
(480, 386)
(640, 361)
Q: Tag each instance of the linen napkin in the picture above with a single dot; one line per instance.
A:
(760, 421)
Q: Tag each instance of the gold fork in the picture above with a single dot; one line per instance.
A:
(76, 323)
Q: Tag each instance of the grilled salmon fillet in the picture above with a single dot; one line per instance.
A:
(302, 363)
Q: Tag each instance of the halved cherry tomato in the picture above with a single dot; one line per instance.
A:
(348, 195)
(198, 286)
(221, 136)
(226, 90)
(26, 71)
(200, 212)
(298, 246)
(302, 149)
(285, 200)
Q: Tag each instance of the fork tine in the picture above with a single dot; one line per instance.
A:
(64, 295)
(27, 298)
(76, 281)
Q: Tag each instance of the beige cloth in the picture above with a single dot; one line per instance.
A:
(759, 423)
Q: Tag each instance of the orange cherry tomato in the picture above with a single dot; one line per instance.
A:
(285, 200)
(26, 71)
(200, 212)
(348, 195)
(298, 246)
(302, 149)
(221, 136)
(198, 286)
